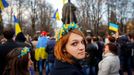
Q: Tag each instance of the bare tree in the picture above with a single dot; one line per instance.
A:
(33, 16)
(91, 13)
(119, 11)
(122, 7)
(39, 14)
(44, 15)
(19, 8)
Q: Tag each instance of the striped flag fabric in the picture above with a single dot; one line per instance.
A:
(3, 4)
(56, 15)
(17, 26)
(113, 27)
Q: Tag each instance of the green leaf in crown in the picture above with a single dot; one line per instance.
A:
(65, 29)
(24, 51)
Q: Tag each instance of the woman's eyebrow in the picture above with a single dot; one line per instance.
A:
(74, 40)
(77, 40)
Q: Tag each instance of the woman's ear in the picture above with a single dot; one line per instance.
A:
(64, 50)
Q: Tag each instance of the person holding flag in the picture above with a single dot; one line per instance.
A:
(113, 27)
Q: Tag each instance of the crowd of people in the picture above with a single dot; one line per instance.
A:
(71, 54)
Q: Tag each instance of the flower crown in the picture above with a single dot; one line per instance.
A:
(65, 29)
(24, 51)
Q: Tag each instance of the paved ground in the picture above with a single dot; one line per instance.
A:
(37, 73)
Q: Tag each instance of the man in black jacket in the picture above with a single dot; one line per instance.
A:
(6, 48)
(50, 51)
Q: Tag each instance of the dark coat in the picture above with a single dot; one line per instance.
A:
(50, 50)
(93, 55)
(64, 68)
(23, 44)
(4, 50)
(20, 40)
(2, 57)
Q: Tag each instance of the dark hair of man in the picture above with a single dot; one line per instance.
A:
(8, 33)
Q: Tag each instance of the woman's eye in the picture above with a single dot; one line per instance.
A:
(82, 41)
(74, 44)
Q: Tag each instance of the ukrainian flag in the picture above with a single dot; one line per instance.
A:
(113, 27)
(3, 4)
(56, 15)
(40, 52)
(17, 26)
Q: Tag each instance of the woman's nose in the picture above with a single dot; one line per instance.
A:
(81, 47)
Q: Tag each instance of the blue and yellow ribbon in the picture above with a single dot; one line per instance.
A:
(65, 29)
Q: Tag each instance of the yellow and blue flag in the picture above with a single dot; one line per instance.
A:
(40, 52)
(113, 27)
(3, 4)
(56, 15)
(17, 26)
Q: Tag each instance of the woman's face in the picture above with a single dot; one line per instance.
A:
(106, 49)
(75, 46)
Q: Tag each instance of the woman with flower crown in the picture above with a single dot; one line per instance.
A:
(70, 47)
(19, 62)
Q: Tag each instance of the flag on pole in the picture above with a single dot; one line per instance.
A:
(113, 27)
(3, 4)
(17, 26)
(56, 15)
